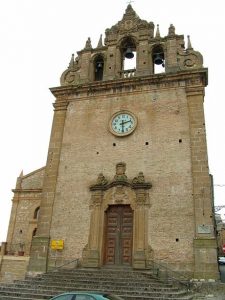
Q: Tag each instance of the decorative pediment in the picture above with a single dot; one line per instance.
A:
(129, 23)
(120, 179)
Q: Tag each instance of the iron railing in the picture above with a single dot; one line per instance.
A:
(56, 268)
(165, 274)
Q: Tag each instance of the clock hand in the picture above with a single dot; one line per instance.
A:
(123, 122)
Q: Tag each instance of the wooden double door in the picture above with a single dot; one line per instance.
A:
(118, 235)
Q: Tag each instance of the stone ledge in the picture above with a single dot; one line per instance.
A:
(14, 258)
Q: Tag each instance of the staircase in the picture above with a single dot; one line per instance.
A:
(127, 283)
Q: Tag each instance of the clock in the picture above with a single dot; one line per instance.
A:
(122, 123)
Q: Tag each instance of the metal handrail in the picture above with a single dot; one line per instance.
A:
(170, 274)
(55, 268)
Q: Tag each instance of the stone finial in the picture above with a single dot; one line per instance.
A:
(71, 64)
(100, 183)
(151, 29)
(100, 42)
(140, 183)
(171, 30)
(157, 35)
(101, 180)
(19, 181)
(88, 44)
(139, 179)
(189, 46)
(129, 10)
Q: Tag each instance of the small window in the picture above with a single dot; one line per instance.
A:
(36, 212)
(34, 232)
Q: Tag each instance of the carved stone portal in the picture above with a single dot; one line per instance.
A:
(120, 191)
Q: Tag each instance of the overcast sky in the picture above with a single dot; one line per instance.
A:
(37, 40)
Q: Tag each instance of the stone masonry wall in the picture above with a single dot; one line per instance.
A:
(159, 147)
(22, 220)
(12, 268)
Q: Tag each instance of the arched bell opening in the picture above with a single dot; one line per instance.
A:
(98, 68)
(128, 55)
(158, 59)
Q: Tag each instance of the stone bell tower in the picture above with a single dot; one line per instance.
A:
(140, 132)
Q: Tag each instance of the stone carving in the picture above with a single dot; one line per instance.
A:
(96, 199)
(101, 181)
(70, 75)
(139, 179)
(120, 179)
(171, 30)
(140, 183)
(119, 195)
(190, 58)
(120, 172)
(142, 197)
(88, 44)
(129, 23)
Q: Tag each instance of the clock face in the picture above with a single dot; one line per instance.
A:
(123, 123)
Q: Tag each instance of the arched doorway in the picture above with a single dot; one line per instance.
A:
(118, 235)
(118, 221)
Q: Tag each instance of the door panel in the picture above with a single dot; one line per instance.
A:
(119, 232)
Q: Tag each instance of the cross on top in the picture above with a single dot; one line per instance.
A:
(130, 1)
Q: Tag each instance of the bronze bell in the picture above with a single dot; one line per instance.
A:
(158, 59)
(99, 65)
(129, 54)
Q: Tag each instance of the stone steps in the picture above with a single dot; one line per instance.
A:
(49, 291)
(76, 285)
(129, 284)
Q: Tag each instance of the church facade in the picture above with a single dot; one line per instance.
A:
(126, 180)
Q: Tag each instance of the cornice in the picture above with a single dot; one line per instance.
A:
(27, 191)
(197, 77)
(135, 186)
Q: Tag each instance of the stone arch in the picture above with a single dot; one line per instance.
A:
(129, 42)
(97, 66)
(158, 53)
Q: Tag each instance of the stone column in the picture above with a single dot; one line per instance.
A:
(91, 254)
(205, 248)
(3, 248)
(141, 229)
(40, 243)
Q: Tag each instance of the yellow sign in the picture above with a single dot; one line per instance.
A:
(57, 244)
